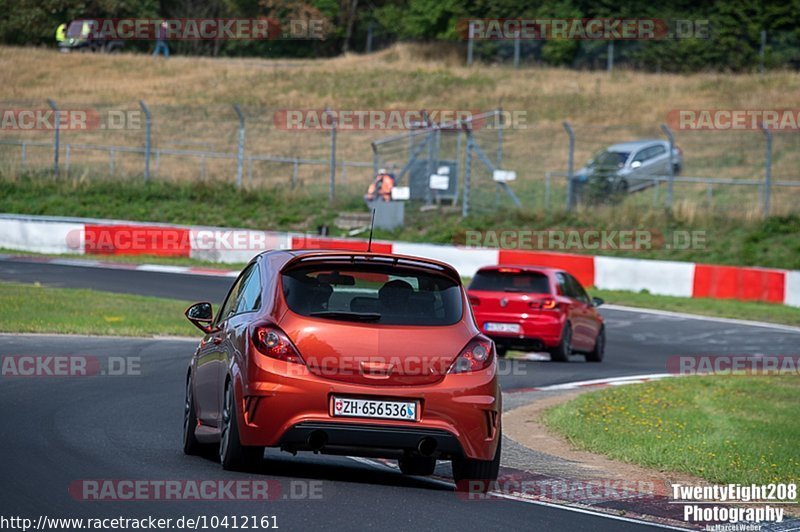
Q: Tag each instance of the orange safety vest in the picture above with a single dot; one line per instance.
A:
(382, 186)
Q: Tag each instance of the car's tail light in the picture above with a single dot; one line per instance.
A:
(509, 270)
(474, 301)
(272, 342)
(548, 303)
(477, 355)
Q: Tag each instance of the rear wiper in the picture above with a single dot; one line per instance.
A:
(342, 315)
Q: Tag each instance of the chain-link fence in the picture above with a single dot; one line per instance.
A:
(749, 173)
(768, 49)
(483, 163)
(245, 145)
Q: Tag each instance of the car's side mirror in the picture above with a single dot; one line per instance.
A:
(597, 301)
(201, 316)
(636, 164)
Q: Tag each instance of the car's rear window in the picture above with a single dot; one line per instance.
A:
(380, 294)
(499, 281)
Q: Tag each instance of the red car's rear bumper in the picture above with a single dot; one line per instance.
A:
(281, 403)
(545, 328)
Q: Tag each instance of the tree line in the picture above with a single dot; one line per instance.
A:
(744, 35)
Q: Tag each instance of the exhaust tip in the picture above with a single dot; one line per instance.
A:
(317, 440)
(427, 446)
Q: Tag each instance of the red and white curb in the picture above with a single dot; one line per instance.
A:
(57, 235)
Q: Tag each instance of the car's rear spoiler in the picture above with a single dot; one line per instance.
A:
(348, 258)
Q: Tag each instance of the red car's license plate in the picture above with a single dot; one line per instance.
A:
(350, 407)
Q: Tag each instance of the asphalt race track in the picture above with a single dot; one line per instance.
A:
(59, 430)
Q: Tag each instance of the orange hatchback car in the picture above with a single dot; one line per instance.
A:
(341, 352)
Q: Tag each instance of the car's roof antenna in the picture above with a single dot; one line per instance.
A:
(371, 226)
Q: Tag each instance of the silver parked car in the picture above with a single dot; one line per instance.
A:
(628, 166)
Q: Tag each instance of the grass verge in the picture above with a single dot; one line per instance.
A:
(725, 429)
(773, 242)
(720, 308)
(32, 308)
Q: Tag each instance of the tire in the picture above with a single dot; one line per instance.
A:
(417, 465)
(232, 454)
(191, 445)
(621, 187)
(596, 354)
(477, 475)
(501, 351)
(563, 350)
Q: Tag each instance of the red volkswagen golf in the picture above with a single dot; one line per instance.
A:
(342, 352)
(537, 309)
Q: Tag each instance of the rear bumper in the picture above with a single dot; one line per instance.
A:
(370, 440)
(282, 403)
(542, 331)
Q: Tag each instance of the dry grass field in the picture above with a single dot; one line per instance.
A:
(191, 100)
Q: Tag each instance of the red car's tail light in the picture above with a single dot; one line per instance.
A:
(544, 304)
(274, 343)
(477, 355)
(474, 301)
(509, 270)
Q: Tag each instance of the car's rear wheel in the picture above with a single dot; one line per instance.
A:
(417, 465)
(596, 354)
(477, 475)
(191, 445)
(563, 350)
(232, 454)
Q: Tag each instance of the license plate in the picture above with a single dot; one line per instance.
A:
(502, 327)
(349, 407)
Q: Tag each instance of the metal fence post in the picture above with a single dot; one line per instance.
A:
(610, 57)
(502, 125)
(467, 174)
(148, 122)
(668, 132)
(332, 183)
(767, 169)
(54, 107)
(240, 152)
(516, 48)
(499, 117)
(458, 124)
(570, 167)
(470, 42)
